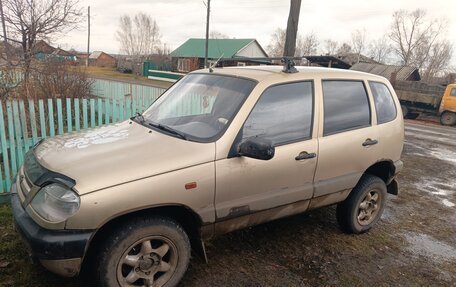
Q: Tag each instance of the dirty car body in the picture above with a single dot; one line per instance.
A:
(217, 152)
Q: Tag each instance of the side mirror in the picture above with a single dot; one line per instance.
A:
(258, 148)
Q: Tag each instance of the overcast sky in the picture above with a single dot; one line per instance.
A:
(179, 20)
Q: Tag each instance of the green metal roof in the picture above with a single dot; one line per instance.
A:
(194, 48)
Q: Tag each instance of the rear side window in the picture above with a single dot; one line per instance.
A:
(346, 106)
(384, 103)
(282, 114)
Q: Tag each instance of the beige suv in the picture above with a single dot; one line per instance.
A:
(220, 150)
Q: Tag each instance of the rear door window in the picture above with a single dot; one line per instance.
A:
(384, 103)
(346, 106)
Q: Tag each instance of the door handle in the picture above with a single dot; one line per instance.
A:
(370, 142)
(305, 155)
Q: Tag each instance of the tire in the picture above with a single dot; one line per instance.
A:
(364, 206)
(448, 119)
(142, 252)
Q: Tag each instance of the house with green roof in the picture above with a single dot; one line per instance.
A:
(190, 55)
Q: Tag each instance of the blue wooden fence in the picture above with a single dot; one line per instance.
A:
(24, 122)
(118, 90)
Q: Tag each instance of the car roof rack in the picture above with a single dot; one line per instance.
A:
(287, 62)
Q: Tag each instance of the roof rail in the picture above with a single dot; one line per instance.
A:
(288, 62)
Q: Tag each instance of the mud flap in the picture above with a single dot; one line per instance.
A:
(393, 187)
(199, 249)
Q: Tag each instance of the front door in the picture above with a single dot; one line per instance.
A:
(283, 115)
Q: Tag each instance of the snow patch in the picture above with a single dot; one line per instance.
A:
(448, 203)
(422, 244)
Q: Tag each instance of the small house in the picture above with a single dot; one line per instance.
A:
(44, 51)
(190, 55)
(102, 59)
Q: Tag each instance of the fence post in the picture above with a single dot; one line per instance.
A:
(31, 105)
(9, 110)
(77, 124)
(68, 112)
(23, 120)
(4, 148)
(51, 118)
(17, 132)
(84, 114)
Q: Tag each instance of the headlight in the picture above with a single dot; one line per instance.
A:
(55, 202)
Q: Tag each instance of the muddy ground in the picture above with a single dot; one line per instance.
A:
(414, 244)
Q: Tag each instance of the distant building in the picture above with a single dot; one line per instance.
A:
(391, 72)
(102, 59)
(341, 61)
(43, 51)
(190, 55)
(353, 58)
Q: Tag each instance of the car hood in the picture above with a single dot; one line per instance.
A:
(116, 154)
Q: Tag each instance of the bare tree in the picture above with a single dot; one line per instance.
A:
(277, 43)
(307, 45)
(438, 60)
(380, 49)
(330, 47)
(29, 20)
(344, 49)
(420, 41)
(358, 39)
(218, 35)
(413, 36)
(138, 36)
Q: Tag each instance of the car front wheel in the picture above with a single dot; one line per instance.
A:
(146, 252)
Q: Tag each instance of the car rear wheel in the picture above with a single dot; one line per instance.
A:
(146, 252)
(364, 206)
(448, 119)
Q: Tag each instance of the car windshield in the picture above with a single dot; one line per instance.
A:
(199, 107)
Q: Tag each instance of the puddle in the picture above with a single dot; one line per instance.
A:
(422, 244)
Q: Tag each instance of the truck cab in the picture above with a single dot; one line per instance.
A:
(447, 108)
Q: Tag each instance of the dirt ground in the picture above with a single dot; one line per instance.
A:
(414, 244)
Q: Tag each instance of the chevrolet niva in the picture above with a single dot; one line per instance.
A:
(221, 150)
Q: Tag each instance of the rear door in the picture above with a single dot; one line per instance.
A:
(348, 144)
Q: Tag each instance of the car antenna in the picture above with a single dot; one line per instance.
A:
(215, 64)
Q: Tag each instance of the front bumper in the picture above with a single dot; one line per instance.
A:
(60, 251)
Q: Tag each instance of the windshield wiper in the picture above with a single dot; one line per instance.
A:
(168, 129)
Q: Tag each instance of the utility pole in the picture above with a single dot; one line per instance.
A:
(292, 28)
(3, 23)
(207, 32)
(5, 39)
(88, 38)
